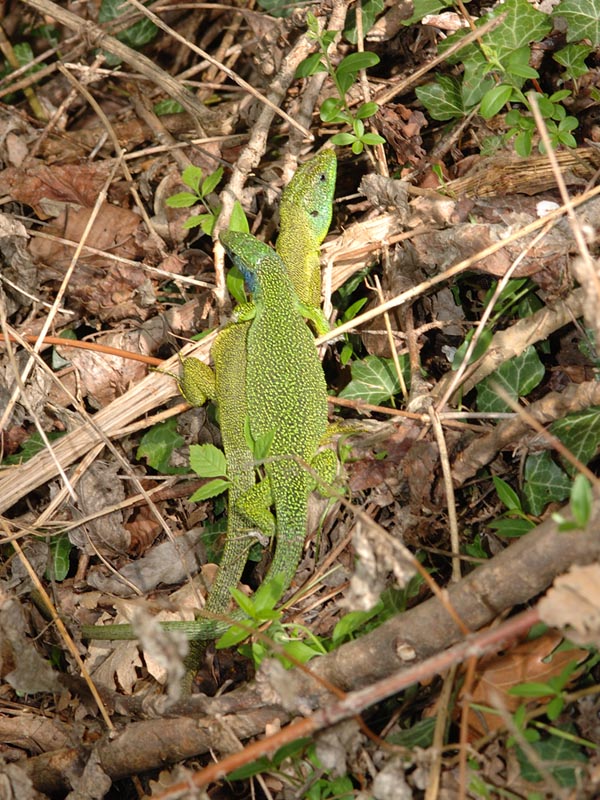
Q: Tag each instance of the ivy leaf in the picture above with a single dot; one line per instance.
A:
(157, 446)
(560, 756)
(442, 99)
(580, 433)
(474, 83)
(572, 58)
(370, 10)
(518, 376)
(544, 482)
(374, 380)
(422, 8)
(583, 19)
(523, 25)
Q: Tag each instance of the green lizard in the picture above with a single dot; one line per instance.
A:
(308, 197)
(286, 396)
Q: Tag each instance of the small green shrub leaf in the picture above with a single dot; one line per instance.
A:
(330, 110)
(182, 200)
(207, 461)
(353, 63)
(210, 489)
(494, 100)
(191, 176)
(211, 181)
(507, 494)
(310, 66)
(343, 139)
(581, 500)
(366, 110)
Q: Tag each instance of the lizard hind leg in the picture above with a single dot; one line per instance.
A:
(255, 504)
(197, 381)
(325, 464)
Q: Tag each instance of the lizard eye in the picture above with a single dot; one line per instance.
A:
(322, 177)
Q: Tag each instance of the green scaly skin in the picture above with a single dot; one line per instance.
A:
(308, 198)
(305, 216)
(286, 395)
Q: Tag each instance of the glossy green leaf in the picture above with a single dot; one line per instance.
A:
(507, 494)
(310, 66)
(60, 552)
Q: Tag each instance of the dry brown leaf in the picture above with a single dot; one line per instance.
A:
(525, 662)
(573, 605)
(401, 126)
(100, 488)
(70, 183)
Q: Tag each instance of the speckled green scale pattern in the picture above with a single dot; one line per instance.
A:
(286, 391)
(305, 216)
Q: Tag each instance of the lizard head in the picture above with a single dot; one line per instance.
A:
(308, 197)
